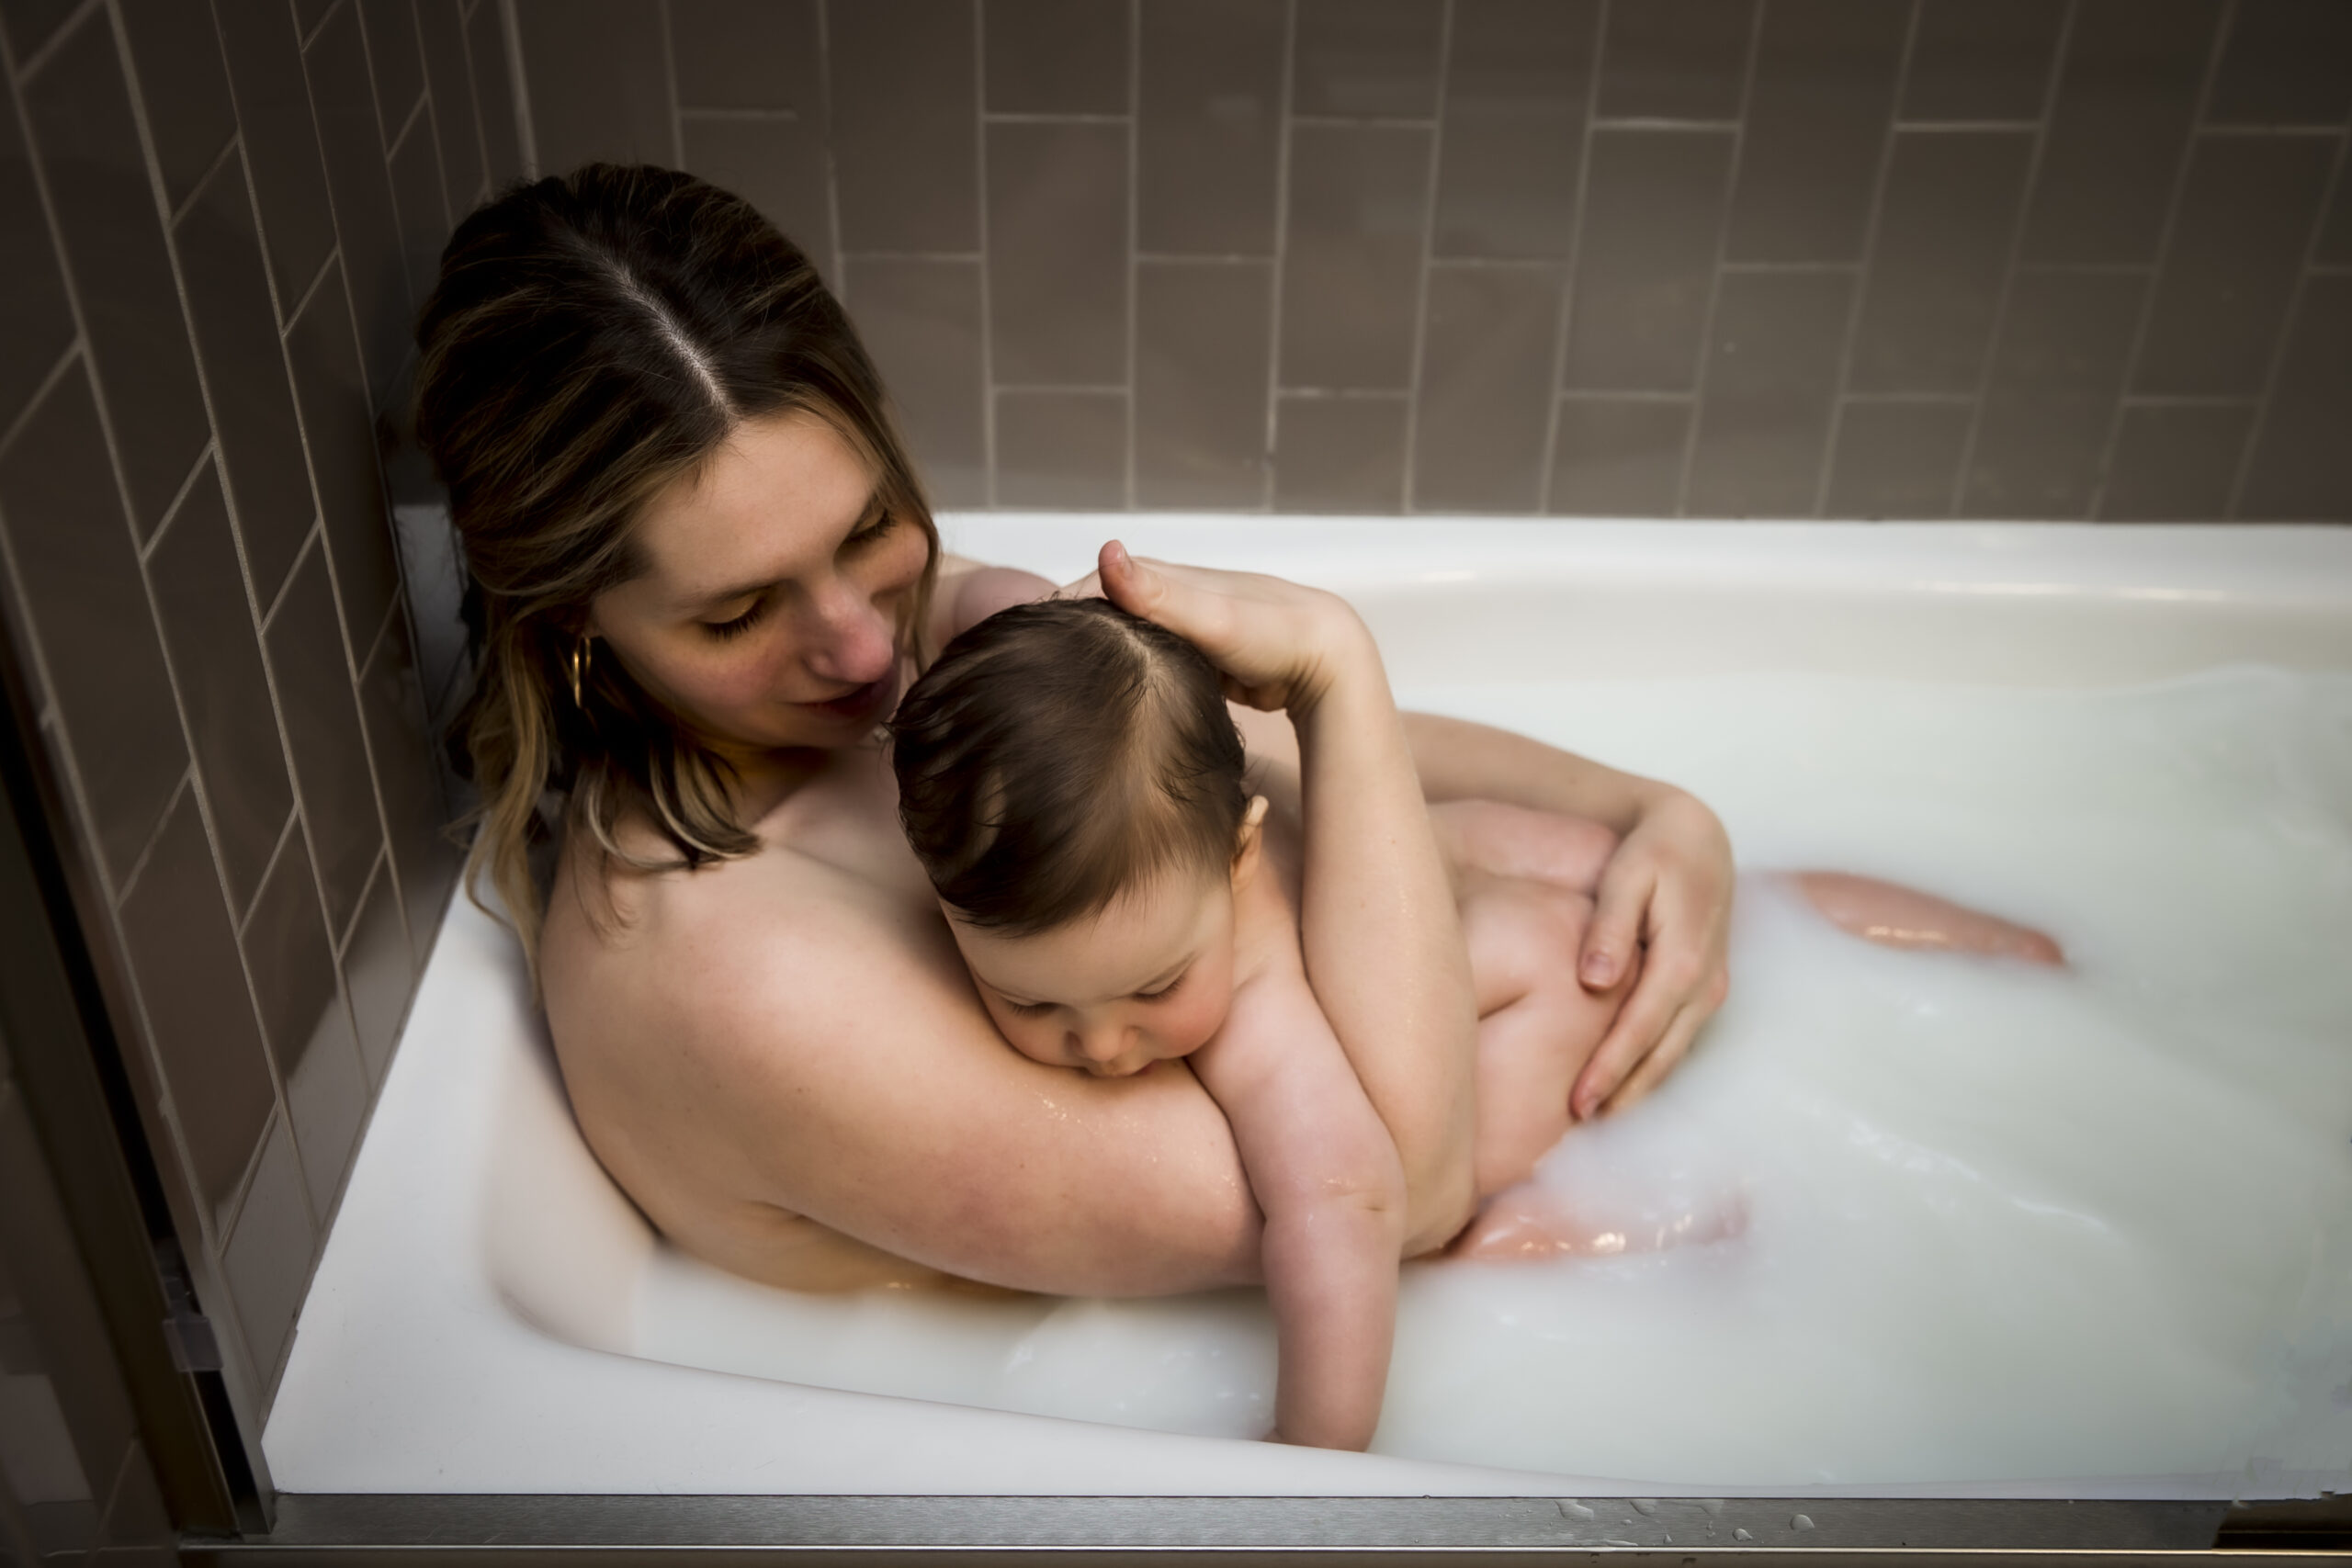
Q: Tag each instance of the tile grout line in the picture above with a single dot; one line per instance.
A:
(2166, 237)
(825, 135)
(473, 96)
(988, 280)
(304, 40)
(1888, 139)
(750, 117)
(451, 213)
(1716, 278)
(1419, 363)
(1547, 466)
(1285, 99)
(1346, 394)
(179, 497)
(2283, 343)
(204, 181)
(33, 63)
(40, 394)
(1135, 197)
(268, 869)
(1998, 327)
(510, 25)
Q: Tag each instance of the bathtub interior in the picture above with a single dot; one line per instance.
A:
(485, 1276)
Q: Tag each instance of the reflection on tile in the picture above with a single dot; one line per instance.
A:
(393, 60)
(1204, 338)
(778, 165)
(340, 430)
(1766, 415)
(494, 92)
(208, 629)
(321, 720)
(2126, 91)
(1982, 59)
(378, 973)
(360, 184)
(1366, 59)
(184, 86)
(82, 593)
(1061, 449)
(137, 1515)
(1676, 59)
(1618, 457)
(175, 931)
(35, 326)
(281, 143)
(2246, 212)
(2174, 463)
(304, 1017)
(1896, 461)
(253, 405)
(594, 77)
(1485, 388)
(1057, 253)
(268, 1256)
(2287, 62)
(748, 54)
(1950, 209)
(308, 14)
(29, 23)
(1647, 259)
(1057, 57)
(2336, 233)
(1209, 129)
(423, 212)
(114, 246)
(391, 701)
(2056, 372)
(457, 127)
(905, 115)
(1516, 75)
(1339, 454)
(1358, 200)
(2303, 464)
(1823, 98)
(921, 321)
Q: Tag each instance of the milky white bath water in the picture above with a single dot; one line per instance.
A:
(2003, 1223)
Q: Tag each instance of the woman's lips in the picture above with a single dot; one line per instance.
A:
(869, 700)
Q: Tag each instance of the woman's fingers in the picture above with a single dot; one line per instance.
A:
(1652, 1069)
(1627, 886)
(1641, 1023)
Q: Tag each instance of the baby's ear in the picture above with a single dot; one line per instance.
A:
(1253, 837)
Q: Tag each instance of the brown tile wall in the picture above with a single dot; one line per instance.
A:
(2055, 259)
(216, 222)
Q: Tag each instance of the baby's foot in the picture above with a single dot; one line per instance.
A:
(1905, 917)
(1531, 1224)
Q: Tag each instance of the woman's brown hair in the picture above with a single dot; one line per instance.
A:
(594, 338)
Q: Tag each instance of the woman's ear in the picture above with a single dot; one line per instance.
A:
(1253, 837)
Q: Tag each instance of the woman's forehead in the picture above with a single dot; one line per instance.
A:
(775, 499)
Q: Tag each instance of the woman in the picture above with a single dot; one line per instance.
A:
(704, 567)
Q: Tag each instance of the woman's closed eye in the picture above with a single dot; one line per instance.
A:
(871, 530)
(740, 624)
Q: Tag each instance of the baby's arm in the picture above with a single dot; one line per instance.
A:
(1327, 1178)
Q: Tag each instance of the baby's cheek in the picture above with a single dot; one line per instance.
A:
(1193, 1022)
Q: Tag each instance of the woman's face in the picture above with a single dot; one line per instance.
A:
(774, 586)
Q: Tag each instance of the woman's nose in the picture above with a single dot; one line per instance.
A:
(851, 639)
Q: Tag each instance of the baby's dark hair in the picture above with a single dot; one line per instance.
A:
(1058, 753)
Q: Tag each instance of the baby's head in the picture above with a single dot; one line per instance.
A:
(1071, 782)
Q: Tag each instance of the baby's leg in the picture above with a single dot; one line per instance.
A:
(1905, 917)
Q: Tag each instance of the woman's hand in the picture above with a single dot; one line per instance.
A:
(1663, 904)
(1279, 645)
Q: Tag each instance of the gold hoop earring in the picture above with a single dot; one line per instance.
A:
(578, 670)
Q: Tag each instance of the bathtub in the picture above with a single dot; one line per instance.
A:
(464, 1367)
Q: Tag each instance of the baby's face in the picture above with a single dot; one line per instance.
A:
(1149, 978)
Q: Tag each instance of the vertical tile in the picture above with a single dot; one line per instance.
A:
(1772, 377)
(778, 165)
(2303, 464)
(2126, 92)
(114, 248)
(2287, 62)
(400, 742)
(1981, 60)
(378, 973)
(1366, 59)
(321, 720)
(457, 125)
(1647, 259)
(2247, 207)
(1896, 461)
(175, 929)
(905, 115)
(395, 61)
(1057, 253)
(1517, 76)
(596, 85)
(36, 325)
(304, 1017)
(1618, 457)
(1486, 392)
(281, 141)
(340, 433)
(502, 142)
(245, 368)
(1061, 449)
(1339, 454)
(1056, 56)
(1950, 209)
(1204, 346)
(267, 1260)
(183, 85)
(1209, 129)
(421, 209)
(1823, 99)
(1676, 59)
(921, 321)
(2174, 463)
(216, 655)
(29, 23)
(748, 54)
(2057, 371)
(88, 609)
(1357, 203)
(360, 185)
(2335, 246)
